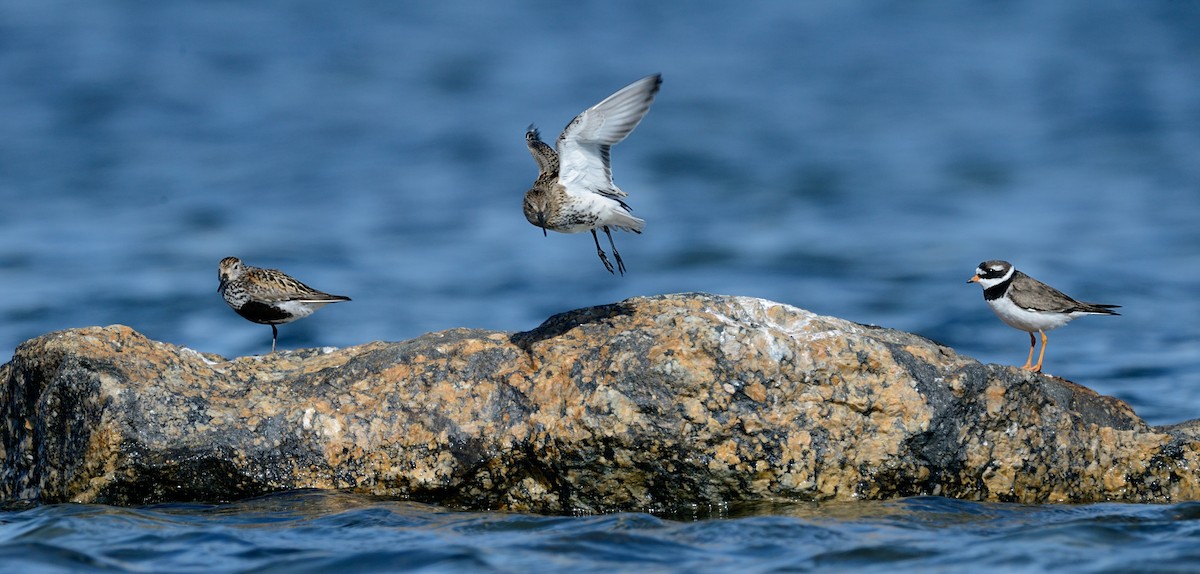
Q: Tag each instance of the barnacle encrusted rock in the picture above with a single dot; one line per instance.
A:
(647, 404)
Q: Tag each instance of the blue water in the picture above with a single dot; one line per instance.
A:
(857, 159)
(325, 532)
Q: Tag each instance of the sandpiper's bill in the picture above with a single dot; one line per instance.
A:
(268, 296)
(574, 190)
(1029, 305)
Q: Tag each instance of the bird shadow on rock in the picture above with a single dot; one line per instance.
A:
(561, 323)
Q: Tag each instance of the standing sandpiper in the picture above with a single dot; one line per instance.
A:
(268, 296)
(575, 191)
(1029, 305)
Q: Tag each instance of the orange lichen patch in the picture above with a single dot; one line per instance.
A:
(756, 392)
(995, 398)
(726, 453)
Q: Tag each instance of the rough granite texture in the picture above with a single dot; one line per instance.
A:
(647, 404)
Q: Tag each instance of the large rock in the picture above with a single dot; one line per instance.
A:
(649, 403)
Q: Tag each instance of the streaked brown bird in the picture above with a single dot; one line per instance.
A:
(574, 190)
(268, 296)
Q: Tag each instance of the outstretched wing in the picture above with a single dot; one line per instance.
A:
(544, 155)
(583, 147)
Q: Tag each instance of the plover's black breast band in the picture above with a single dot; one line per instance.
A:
(995, 291)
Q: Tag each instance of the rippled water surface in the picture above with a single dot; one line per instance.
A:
(855, 159)
(329, 532)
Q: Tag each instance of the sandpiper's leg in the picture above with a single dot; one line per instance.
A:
(616, 255)
(274, 335)
(600, 252)
(1029, 362)
(1038, 367)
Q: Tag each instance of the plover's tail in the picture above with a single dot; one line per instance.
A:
(1096, 309)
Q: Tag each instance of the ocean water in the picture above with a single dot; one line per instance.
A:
(856, 159)
(300, 532)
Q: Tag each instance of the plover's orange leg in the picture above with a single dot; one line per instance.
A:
(1038, 368)
(1029, 361)
(603, 257)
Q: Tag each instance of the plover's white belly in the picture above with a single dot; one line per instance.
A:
(1027, 320)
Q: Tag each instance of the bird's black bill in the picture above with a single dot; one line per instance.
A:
(542, 224)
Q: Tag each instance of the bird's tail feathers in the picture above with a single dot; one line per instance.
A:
(1098, 309)
(623, 220)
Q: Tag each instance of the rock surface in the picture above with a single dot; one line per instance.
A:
(646, 404)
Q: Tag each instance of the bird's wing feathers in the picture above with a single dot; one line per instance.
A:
(544, 155)
(274, 286)
(1030, 293)
(583, 147)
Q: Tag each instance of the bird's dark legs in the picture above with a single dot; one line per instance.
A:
(600, 252)
(617, 256)
(274, 335)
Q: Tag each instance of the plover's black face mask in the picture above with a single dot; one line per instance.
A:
(992, 269)
(990, 272)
